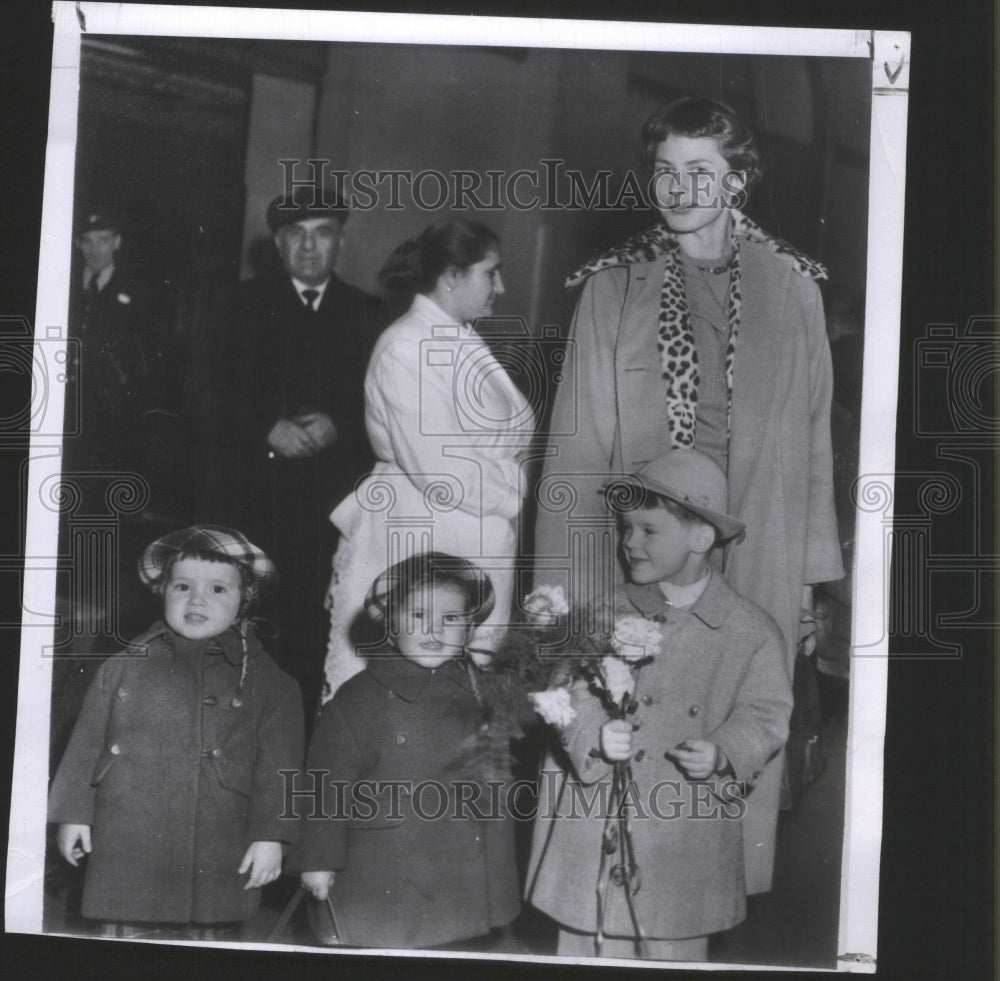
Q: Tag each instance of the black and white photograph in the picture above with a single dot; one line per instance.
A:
(461, 477)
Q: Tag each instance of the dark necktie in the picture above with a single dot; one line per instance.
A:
(92, 289)
(310, 297)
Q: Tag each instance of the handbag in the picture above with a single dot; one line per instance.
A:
(321, 915)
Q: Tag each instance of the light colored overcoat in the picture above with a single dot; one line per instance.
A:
(610, 418)
(720, 676)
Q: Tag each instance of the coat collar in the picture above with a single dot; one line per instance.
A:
(649, 245)
(712, 607)
(407, 680)
(160, 639)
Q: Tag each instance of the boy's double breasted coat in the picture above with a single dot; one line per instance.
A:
(177, 773)
(719, 676)
(611, 419)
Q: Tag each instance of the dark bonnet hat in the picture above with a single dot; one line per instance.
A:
(393, 585)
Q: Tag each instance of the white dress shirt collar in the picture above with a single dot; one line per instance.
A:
(300, 287)
(102, 277)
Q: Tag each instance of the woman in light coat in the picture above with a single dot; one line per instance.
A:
(450, 430)
(703, 331)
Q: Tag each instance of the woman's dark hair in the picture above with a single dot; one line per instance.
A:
(415, 266)
(695, 117)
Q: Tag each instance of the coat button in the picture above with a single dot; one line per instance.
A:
(755, 776)
(115, 750)
(216, 753)
(400, 739)
(647, 700)
(236, 702)
(210, 700)
(693, 711)
(640, 755)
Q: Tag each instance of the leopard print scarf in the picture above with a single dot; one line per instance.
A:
(675, 340)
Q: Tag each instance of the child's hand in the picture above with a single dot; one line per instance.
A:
(318, 884)
(73, 841)
(698, 758)
(616, 740)
(263, 861)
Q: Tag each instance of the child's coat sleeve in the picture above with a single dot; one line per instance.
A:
(757, 726)
(333, 755)
(280, 747)
(71, 798)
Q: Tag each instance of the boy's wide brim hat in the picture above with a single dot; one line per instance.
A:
(212, 540)
(396, 582)
(688, 478)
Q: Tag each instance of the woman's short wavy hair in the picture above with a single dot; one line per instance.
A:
(696, 116)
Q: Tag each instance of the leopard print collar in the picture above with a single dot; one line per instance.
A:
(649, 245)
(675, 340)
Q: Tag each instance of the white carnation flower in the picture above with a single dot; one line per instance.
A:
(636, 637)
(553, 706)
(617, 676)
(546, 603)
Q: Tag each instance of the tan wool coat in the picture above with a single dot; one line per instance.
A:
(720, 676)
(609, 418)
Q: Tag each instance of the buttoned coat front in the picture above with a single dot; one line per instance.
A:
(177, 773)
(719, 676)
(611, 419)
(415, 866)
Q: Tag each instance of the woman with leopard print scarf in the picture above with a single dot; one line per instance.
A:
(703, 331)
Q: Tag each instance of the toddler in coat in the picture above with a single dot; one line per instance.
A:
(710, 709)
(410, 847)
(171, 786)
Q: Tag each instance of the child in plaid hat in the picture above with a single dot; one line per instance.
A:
(171, 783)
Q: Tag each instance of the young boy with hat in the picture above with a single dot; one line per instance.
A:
(711, 709)
(171, 784)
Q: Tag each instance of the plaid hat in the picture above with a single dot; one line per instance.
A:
(397, 582)
(305, 202)
(226, 543)
(686, 477)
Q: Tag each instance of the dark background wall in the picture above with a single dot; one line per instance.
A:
(184, 135)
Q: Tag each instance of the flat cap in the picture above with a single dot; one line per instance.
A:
(306, 201)
(98, 219)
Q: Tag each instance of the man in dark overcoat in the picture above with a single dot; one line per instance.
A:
(285, 405)
(108, 313)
